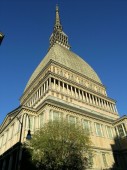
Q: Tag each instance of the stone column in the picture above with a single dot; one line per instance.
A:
(47, 86)
(39, 92)
(71, 91)
(83, 97)
(123, 130)
(87, 99)
(93, 101)
(104, 104)
(117, 131)
(90, 98)
(42, 90)
(99, 102)
(112, 109)
(75, 93)
(34, 97)
(96, 101)
(79, 94)
(110, 106)
(115, 109)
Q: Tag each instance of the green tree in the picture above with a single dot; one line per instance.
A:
(60, 145)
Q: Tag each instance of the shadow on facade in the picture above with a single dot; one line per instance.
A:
(9, 160)
(27, 161)
(119, 149)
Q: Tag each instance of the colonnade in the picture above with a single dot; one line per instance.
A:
(72, 91)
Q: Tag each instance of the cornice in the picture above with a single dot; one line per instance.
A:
(85, 112)
(124, 117)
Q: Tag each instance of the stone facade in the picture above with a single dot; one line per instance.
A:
(64, 85)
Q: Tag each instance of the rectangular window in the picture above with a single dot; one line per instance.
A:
(99, 129)
(109, 132)
(86, 125)
(72, 119)
(55, 115)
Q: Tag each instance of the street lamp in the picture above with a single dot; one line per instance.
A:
(28, 137)
(1, 37)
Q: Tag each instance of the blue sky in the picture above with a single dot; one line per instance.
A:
(97, 31)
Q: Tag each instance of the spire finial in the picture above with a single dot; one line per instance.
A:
(58, 36)
(58, 25)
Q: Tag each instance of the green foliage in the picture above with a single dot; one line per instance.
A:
(60, 146)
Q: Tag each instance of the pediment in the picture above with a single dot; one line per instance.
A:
(9, 117)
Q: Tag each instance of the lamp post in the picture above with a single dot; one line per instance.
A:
(19, 154)
(1, 37)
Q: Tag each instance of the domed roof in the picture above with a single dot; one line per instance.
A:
(60, 53)
(67, 58)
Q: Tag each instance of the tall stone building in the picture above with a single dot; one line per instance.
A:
(64, 85)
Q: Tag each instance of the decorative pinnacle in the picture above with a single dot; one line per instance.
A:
(58, 25)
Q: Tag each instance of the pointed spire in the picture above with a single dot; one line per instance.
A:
(58, 25)
(58, 36)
